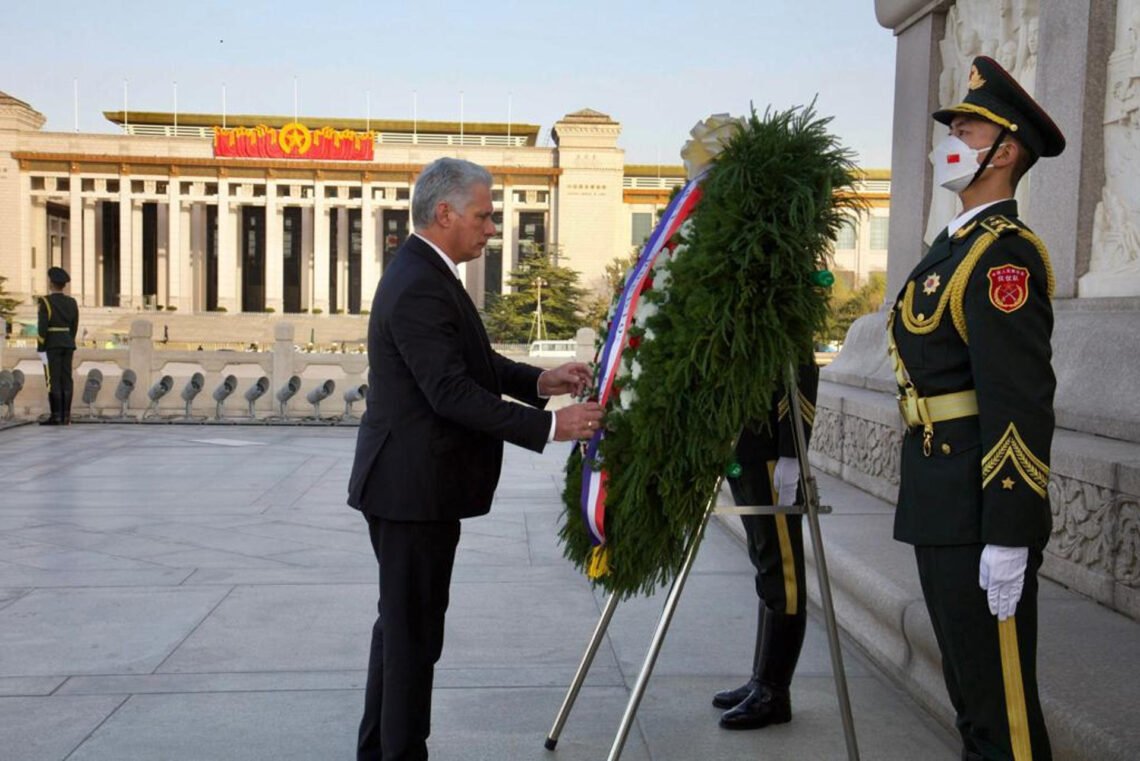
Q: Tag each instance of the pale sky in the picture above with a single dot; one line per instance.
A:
(656, 67)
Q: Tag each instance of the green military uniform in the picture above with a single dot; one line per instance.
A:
(776, 548)
(970, 338)
(58, 324)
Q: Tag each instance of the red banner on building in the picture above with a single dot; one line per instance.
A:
(294, 141)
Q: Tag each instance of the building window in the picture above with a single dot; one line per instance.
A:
(845, 238)
(543, 196)
(879, 228)
(642, 225)
(62, 183)
(403, 194)
(496, 195)
(37, 183)
(87, 185)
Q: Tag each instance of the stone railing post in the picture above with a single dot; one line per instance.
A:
(140, 358)
(584, 349)
(284, 334)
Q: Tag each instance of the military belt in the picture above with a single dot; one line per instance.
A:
(59, 330)
(925, 411)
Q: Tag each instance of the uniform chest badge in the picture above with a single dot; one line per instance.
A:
(1009, 287)
(930, 285)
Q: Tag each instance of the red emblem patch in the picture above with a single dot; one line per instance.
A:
(1009, 287)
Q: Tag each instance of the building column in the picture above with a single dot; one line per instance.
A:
(162, 249)
(274, 253)
(369, 261)
(510, 259)
(1071, 86)
(136, 254)
(76, 260)
(306, 258)
(916, 98)
(185, 293)
(343, 230)
(227, 250)
(126, 258)
(90, 260)
(175, 253)
(320, 282)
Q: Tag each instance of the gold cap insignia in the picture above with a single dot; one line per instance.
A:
(976, 80)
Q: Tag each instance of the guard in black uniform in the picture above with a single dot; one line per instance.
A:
(969, 336)
(769, 475)
(58, 324)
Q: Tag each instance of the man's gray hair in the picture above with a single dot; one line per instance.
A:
(445, 179)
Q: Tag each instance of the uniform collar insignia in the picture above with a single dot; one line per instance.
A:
(965, 230)
(930, 285)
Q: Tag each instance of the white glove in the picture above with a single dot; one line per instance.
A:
(43, 356)
(1002, 574)
(785, 479)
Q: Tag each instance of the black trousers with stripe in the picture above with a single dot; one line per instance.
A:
(60, 384)
(775, 543)
(990, 667)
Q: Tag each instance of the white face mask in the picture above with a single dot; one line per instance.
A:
(955, 163)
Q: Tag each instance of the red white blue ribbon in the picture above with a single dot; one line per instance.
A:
(594, 478)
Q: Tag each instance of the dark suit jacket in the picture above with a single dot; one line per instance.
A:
(430, 444)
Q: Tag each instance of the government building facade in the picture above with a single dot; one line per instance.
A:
(257, 213)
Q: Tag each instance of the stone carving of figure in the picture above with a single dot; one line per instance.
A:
(1114, 263)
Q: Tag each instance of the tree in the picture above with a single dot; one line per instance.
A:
(847, 305)
(509, 317)
(597, 306)
(7, 304)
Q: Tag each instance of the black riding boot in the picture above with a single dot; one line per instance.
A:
(770, 701)
(53, 406)
(732, 698)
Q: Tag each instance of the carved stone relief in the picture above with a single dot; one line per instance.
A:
(1096, 528)
(1114, 263)
(872, 448)
(827, 433)
(1005, 30)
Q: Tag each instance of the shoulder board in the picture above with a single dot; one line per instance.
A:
(1000, 225)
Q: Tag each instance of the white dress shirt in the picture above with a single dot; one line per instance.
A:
(958, 222)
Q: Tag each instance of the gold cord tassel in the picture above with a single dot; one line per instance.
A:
(599, 562)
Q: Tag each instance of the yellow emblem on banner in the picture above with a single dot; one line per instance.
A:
(296, 138)
(976, 80)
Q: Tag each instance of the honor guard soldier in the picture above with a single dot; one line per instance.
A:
(969, 339)
(769, 474)
(58, 324)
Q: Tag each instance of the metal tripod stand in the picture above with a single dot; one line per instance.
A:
(812, 509)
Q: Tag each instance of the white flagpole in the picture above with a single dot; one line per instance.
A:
(75, 100)
(126, 113)
(415, 116)
(508, 118)
(461, 117)
(367, 110)
(294, 99)
(223, 105)
(176, 108)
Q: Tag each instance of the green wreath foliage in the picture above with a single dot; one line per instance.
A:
(740, 306)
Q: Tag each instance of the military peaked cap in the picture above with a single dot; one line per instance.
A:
(996, 96)
(58, 275)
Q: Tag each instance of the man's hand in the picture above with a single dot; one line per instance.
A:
(578, 421)
(1002, 574)
(43, 356)
(569, 378)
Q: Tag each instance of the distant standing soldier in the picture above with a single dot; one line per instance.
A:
(58, 324)
(970, 340)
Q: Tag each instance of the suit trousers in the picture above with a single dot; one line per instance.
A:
(990, 668)
(415, 559)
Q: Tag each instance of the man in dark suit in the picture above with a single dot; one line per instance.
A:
(969, 336)
(55, 341)
(430, 444)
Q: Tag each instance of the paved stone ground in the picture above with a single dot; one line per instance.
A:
(175, 593)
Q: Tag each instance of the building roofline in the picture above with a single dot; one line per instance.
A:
(654, 170)
(408, 126)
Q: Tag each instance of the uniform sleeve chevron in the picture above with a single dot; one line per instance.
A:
(1011, 447)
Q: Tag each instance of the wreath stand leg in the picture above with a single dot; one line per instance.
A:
(813, 510)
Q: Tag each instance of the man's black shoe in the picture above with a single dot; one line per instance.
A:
(764, 706)
(49, 421)
(733, 698)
